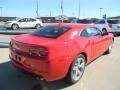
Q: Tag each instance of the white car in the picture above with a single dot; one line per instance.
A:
(24, 23)
(109, 25)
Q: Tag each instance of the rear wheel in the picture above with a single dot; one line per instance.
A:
(37, 26)
(76, 70)
(14, 26)
(110, 47)
(104, 30)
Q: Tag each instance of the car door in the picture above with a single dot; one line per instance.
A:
(96, 42)
(31, 23)
(23, 23)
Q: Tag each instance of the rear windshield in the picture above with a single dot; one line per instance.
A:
(114, 21)
(84, 21)
(51, 31)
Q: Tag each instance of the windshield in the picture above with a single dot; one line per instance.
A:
(50, 31)
(114, 21)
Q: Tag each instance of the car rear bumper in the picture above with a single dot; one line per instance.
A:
(32, 66)
(46, 69)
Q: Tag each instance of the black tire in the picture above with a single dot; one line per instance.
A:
(110, 47)
(15, 27)
(37, 26)
(73, 75)
(104, 30)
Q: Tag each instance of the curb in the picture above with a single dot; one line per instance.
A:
(4, 44)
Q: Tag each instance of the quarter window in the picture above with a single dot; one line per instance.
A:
(93, 32)
(84, 33)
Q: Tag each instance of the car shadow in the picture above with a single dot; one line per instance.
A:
(13, 79)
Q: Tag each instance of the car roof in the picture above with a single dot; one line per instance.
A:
(72, 25)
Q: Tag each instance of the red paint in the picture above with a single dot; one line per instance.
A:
(58, 53)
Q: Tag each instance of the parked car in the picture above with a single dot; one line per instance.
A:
(82, 21)
(59, 51)
(109, 25)
(24, 23)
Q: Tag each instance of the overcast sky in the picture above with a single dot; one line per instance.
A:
(88, 8)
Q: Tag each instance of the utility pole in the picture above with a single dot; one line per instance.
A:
(79, 10)
(62, 10)
(101, 11)
(50, 13)
(37, 9)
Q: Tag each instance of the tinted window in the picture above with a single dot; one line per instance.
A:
(51, 31)
(84, 21)
(101, 22)
(114, 21)
(84, 33)
(22, 20)
(31, 20)
(93, 32)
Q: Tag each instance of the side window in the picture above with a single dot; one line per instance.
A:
(101, 22)
(93, 32)
(22, 20)
(32, 20)
(84, 33)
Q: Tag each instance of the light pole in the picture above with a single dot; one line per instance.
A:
(37, 9)
(101, 11)
(50, 13)
(79, 10)
(62, 10)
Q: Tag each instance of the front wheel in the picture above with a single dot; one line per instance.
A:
(14, 26)
(76, 70)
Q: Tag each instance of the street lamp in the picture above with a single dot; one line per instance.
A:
(62, 10)
(79, 10)
(37, 9)
(101, 11)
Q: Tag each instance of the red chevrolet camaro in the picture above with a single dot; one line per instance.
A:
(59, 51)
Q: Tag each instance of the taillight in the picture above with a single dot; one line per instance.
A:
(110, 25)
(41, 52)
